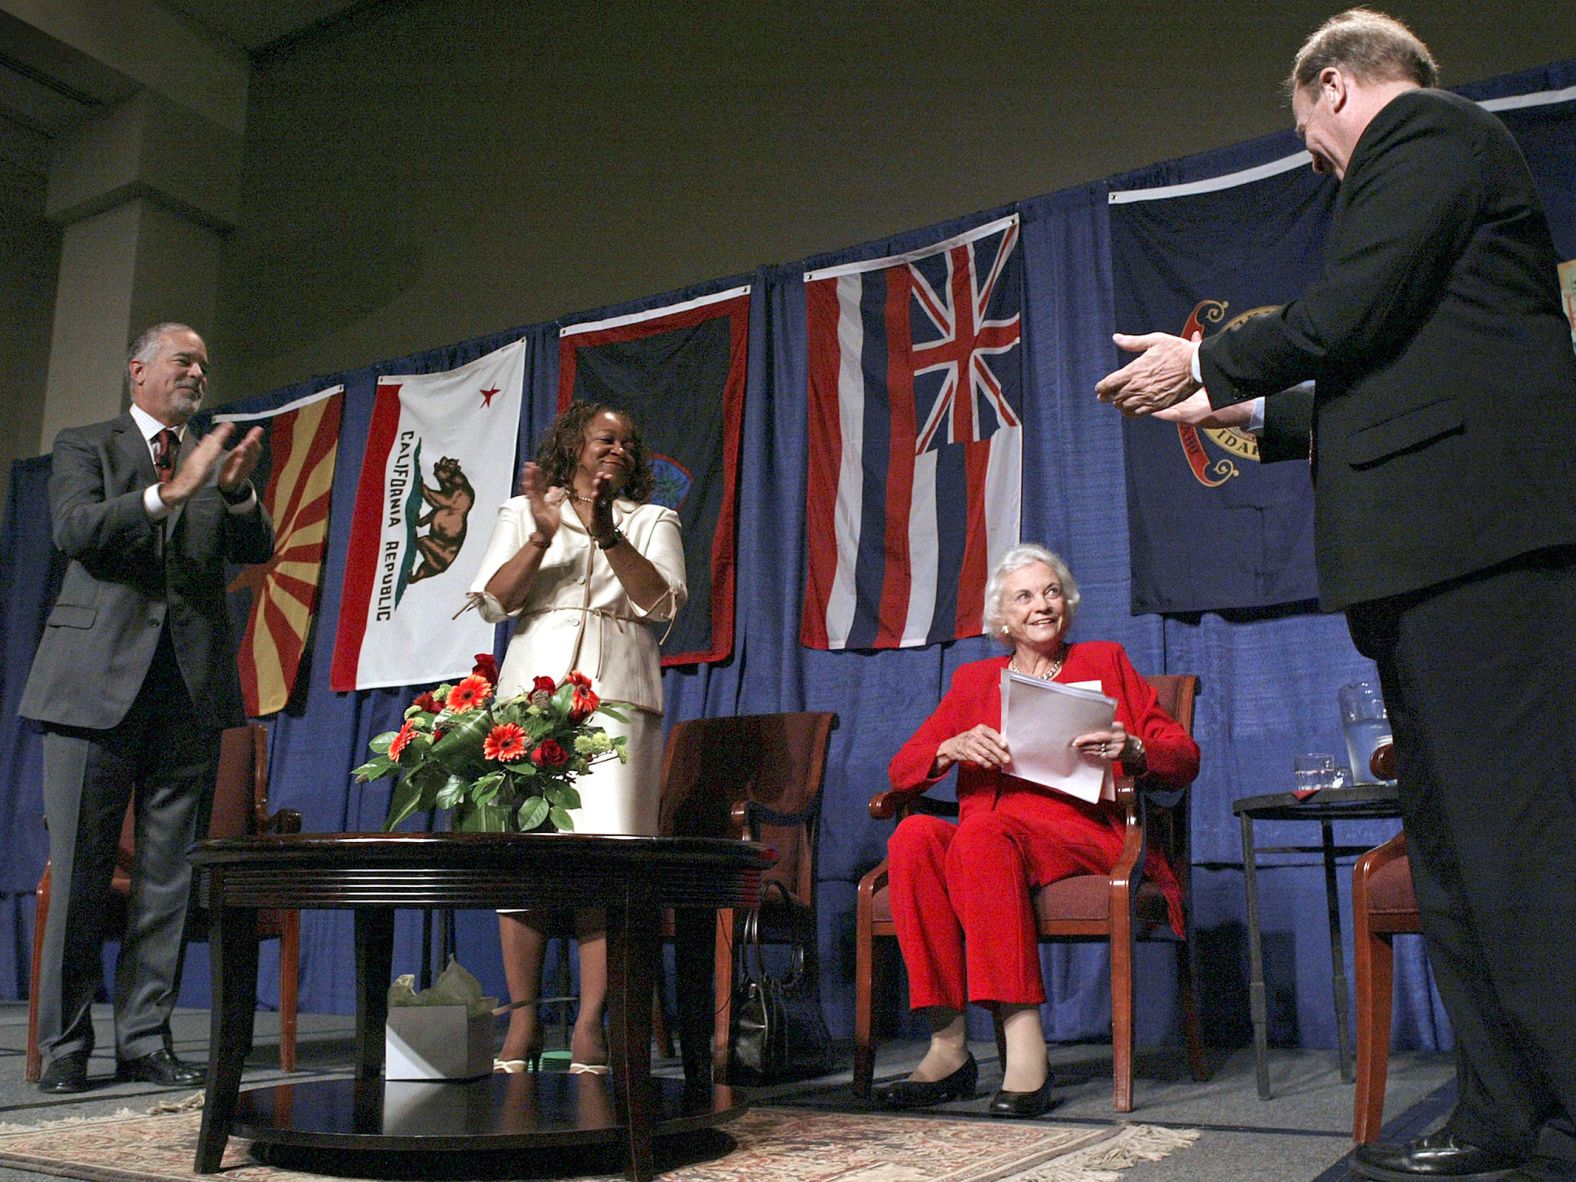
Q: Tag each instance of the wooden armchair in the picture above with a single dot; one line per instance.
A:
(240, 807)
(755, 776)
(1383, 905)
(1118, 908)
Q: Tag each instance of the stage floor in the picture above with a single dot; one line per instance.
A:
(1301, 1135)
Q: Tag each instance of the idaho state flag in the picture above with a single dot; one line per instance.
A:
(295, 478)
(916, 443)
(679, 370)
(1210, 526)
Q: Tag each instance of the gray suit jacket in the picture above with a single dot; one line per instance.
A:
(124, 581)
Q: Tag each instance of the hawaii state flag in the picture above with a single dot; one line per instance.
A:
(680, 371)
(295, 478)
(439, 461)
(915, 440)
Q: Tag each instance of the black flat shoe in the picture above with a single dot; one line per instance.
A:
(1022, 1105)
(162, 1068)
(911, 1093)
(1437, 1155)
(69, 1073)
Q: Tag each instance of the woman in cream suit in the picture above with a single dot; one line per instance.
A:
(588, 572)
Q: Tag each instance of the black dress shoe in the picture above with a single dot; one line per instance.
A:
(1437, 1155)
(162, 1068)
(1024, 1104)
(69, 1073)
(911, 1093)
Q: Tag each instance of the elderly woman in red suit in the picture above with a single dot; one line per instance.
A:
(961, 893)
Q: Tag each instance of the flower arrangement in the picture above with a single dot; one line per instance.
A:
(503, 765)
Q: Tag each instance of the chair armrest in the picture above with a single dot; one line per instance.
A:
(1129, 868)
(1382, 761)
(900, 803)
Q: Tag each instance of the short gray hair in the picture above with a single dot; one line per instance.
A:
(1017, 558)
(1369, 45)
(146, 347)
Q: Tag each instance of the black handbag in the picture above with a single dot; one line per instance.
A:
(777, 1032)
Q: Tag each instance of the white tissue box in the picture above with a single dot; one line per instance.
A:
(437, 1042)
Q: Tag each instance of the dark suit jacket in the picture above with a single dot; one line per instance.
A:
(1444, 413)
(123, 581)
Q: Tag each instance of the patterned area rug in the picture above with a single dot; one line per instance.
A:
(781, 1144)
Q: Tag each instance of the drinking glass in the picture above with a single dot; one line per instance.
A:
(1314, 770)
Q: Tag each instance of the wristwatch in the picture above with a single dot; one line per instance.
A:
(1137, 757)
(611, 540)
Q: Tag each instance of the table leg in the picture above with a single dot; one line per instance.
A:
(632, 947)
(1256, 998)
(374, 966)
(694, 947)
(1332, 895)
(232, 936)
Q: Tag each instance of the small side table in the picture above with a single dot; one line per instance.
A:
(1359, 802)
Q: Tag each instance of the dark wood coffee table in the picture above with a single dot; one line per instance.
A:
(373, 874)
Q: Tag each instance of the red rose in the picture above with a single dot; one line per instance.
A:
(486, 666)
(549, 754)
(543, 685)
(425, 701)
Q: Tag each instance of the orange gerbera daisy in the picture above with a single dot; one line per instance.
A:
(469, 694)
(505, 742)
(402, 740)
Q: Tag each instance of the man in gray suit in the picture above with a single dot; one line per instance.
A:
(1441, 424)
(133, 680)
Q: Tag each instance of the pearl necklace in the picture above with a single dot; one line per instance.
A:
(1056, 667)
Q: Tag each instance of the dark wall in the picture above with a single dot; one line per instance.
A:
(423, 173)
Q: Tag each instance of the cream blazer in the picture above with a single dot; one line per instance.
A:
(577, 615)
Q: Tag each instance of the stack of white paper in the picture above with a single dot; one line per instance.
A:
(1040, 719)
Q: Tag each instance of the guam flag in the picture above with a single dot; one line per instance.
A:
(915, 440)
(440, 445)
(295, 478)
(679, 370)
(1210, 526)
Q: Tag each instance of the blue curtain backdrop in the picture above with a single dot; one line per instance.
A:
(1269, 678)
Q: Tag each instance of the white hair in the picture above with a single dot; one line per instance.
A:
(1017, 558)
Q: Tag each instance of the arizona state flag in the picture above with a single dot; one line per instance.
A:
(680, 371)
(295, 478)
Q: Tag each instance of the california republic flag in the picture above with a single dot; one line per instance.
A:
(440, 445)
(296, 478)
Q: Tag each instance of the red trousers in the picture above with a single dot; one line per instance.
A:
(960, 893)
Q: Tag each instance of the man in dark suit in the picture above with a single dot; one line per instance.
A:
(133, 680)
(1443, 429)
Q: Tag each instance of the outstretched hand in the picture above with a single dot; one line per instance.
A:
(1159, 377)
(1195, 411)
